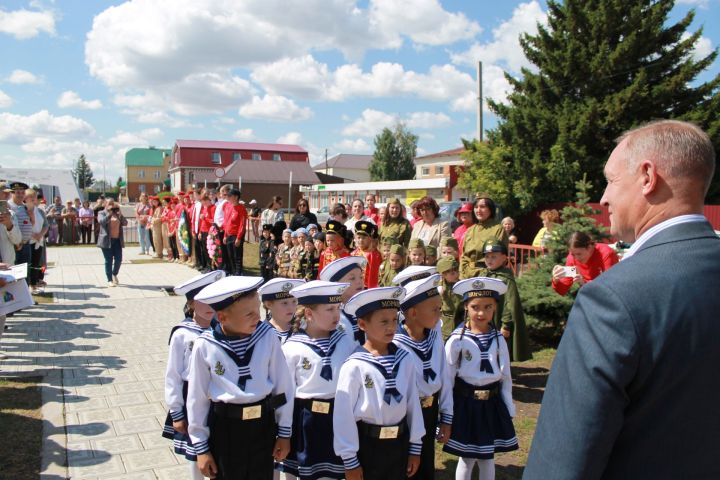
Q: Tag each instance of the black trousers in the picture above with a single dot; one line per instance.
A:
(205, 260)
(225, 265)
(36, 265)
(173, 246)
(384, 459)
(235, 256)
(198, 250)
(243, 449)
(427, 457)
(85, 233)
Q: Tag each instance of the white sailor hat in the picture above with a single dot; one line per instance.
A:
(223, 293)
(413, 272)
(278, 288)
(319, 292)
(336, 269)
(368, 301)
(420, 290)
(480, 287)
(197, 283)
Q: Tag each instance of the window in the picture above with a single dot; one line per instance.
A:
(236, 157)
(439, 170)
(216, 158)
(276, 157)
(156, 188)
(141, 173)
(141, 187)
(425, 171)
(156, 175)
(256, 156)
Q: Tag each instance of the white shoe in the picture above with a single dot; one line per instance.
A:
(115, 280)
(110, 284)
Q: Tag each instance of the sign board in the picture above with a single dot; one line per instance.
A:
(321, 187)
(412, 195)
(14, 295)
(219, 172)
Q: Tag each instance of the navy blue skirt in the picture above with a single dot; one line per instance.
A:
(181, 441)
(480, 428)
(312, 455)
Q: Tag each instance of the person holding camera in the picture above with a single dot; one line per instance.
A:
(585, 262)
(110, 239)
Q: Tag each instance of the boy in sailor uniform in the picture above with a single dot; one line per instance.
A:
(412, 273)
(238, 374)
(314, 356)
(279, 305)
(347, 270)
(378, 420)
(419, 333)
(182, 339)
(482, 394)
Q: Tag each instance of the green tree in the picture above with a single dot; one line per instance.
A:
(602, 67)
(394, 154)
(83, 173)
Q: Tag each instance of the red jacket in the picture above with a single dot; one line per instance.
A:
(328, 255)
(601, 259)
(371, 272)
(235, 218)
(168, 217)
(206, 218)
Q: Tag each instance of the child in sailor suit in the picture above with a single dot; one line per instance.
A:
(314, 356)
(347, 270)
(279, 305)
(378, 420)
(182, 339)
(238, 374)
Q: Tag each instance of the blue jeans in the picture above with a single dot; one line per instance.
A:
(110, 254)
(144, 239)
(24, 255)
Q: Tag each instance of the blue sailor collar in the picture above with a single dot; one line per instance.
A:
(391, 391)
(423, 348)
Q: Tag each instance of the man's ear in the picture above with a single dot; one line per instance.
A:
(648, 172)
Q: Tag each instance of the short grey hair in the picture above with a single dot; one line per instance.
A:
(680, 149)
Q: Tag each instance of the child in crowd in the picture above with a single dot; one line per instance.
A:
(282, 256)
(279, 305)
(449, 248)
(319, 242)
(416, 252)
(419, 334)
(510, 318)
(394, 265)
(314, 356)
(295, 252)
(430, 255)
(335, 240)
(310, 261)
(312, 230)
(385, 245)
(365, 232)
(267, 253)
(378, 419)
(482, 394)
(347, 270)
(182, 337)
(240, 395)
(452, 311)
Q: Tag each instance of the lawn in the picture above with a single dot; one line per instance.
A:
(21, 421)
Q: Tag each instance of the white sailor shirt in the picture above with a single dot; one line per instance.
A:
(481, 364)
(314, 364)
(349, 325)
(362, 395)
(182, 339)
(432, 372)
(216, 375)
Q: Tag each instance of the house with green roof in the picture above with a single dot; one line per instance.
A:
(146, 170)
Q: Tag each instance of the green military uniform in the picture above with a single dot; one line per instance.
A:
(385, 279)
(452, 311)
(309, 265)
(431, 251)
(473, 259)
(399, 229)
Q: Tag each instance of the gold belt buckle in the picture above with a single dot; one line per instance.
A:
(481, 394)
(389, 432)
(251, 413)
(320, 406)
(427, 402)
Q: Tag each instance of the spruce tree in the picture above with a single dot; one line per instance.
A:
(603, 66)
(83, 173)
(394, 154)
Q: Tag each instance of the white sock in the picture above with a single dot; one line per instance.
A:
(464, 468)
(486, 469)
(195, 473)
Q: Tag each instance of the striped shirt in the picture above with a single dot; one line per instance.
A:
(651, 232)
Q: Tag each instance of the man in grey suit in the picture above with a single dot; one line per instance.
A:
(634, 392)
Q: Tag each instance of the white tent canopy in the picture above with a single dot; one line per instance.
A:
(62, 180)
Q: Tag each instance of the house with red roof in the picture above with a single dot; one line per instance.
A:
(351, 167)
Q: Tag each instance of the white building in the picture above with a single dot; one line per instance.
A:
(351, 167)
(51, 181)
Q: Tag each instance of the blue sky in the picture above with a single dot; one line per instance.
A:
(100, 77)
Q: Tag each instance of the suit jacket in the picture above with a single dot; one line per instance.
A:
(103, 240)
(634, 391)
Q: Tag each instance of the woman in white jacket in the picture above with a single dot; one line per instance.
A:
(9, 237)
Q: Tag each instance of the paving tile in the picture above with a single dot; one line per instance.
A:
(115, 445)
(180, 472)
(136, 425)
(104, 414)
(134, 387)
(147, 475)
(154, 440)
(156, 458)
(92, 467)
(148, 410)
(127, 399)
(90, 431)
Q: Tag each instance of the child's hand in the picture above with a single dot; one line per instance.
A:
(180, 426)
(444, 434)
(237, 242)
(413, 465)
(354, 474)
(505, 332)
(282, 448)
(558, 272)
(579, 280)
(206, 464)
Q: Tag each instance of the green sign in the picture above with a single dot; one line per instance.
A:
(321, 187)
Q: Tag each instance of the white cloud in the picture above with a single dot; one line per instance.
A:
(20, 77)
(357, 145)
(703, 46)
(371, 122)
(427, 120)
(5, 100)
(505, 48)
(163, 119)
(274, 107)
(24, 24)
(495, 86)
(135, 139)
(694, 3)
(22, 129)
(70, 99)
(290, 138)
(245, 134)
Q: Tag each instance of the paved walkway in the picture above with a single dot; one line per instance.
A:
(102, 354)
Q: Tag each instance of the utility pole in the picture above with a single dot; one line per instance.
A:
(480, 103)
(326, 164)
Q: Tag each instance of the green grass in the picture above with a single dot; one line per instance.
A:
(21, 420)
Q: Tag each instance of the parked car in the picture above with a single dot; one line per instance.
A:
(323, 214)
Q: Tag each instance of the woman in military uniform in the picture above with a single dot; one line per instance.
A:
(395, 224)
(486, 227)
